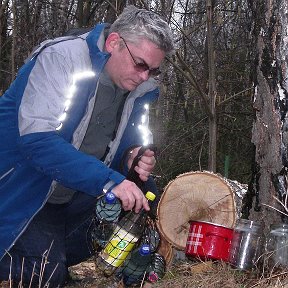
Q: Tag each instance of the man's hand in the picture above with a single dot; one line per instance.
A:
(127, 191)
(146, 163)
(131, 196)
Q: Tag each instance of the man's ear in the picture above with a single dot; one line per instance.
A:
(112, 41)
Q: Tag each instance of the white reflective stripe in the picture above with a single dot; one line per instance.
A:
(59, 127)
(8, 172)
(83, 75)
(63, 117)
(147, 136)
(72, 90)
(67, 104)
(37, 112)
(143, 88)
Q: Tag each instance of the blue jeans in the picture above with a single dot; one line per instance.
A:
(55, 239)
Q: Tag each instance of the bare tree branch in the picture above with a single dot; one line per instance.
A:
(188, 74)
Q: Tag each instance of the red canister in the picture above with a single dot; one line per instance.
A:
(208, 241)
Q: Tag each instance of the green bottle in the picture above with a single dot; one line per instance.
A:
(135, 267)
(126, 234)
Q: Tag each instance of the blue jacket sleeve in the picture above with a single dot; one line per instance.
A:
(53, 156)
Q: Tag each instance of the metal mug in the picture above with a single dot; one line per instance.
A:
(246, 246)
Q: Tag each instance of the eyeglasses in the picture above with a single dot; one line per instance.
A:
(142, 66)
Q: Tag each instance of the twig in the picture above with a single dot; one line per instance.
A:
(44, 263)
(200, 153)
(284, 205)
(32, 275)
(10, 269)
(281, 203)
(22, 271)
(47, 283)
(275, 209)
(235, 95)
(143, 278)
(272, 276)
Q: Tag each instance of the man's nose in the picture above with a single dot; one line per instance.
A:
(144, 75)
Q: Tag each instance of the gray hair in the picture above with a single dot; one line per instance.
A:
(137, 24)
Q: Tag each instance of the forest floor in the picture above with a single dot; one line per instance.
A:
(186, 273)
(180, 274)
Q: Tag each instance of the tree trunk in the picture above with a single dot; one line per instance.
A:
(270, 104)
(3, 26)
(211, 91)
(13, 71)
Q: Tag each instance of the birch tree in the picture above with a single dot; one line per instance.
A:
(268, 187)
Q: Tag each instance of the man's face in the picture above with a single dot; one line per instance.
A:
(122, 65)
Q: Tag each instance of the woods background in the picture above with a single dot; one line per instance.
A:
(223, 94)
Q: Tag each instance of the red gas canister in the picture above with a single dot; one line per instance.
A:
(208, 241)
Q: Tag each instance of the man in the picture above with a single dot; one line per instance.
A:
(65, 125)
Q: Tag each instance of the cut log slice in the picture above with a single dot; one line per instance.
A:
(166, 250)
(201, 196)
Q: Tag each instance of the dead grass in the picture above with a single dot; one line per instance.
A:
(219, 275)
(190, 274)
(182, 274)
(202, 274)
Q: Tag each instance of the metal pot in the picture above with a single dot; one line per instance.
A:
(208, 241)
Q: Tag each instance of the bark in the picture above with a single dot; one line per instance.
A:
(270, 104)
(3, 25)
(211, 91)
(13, 71)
